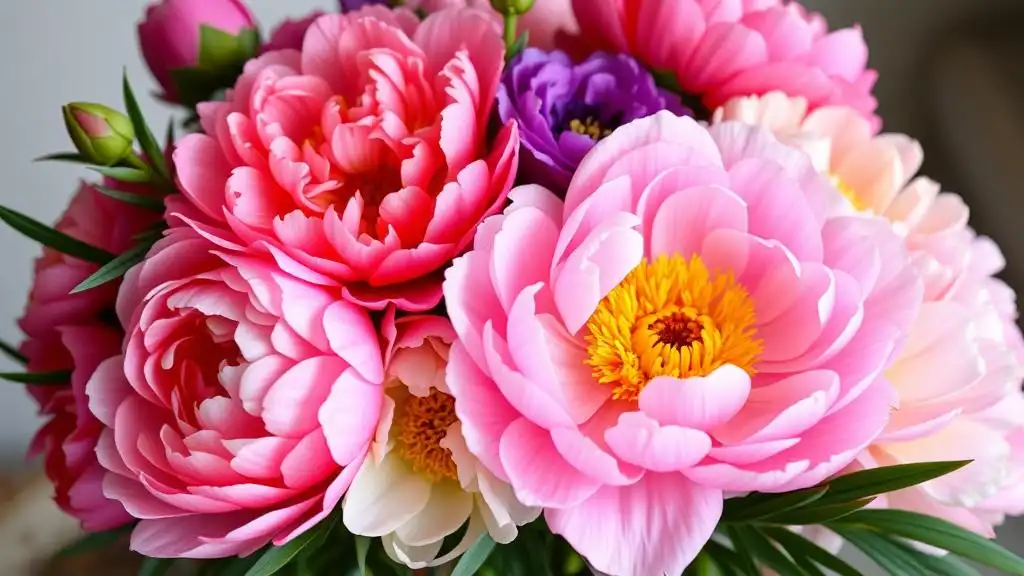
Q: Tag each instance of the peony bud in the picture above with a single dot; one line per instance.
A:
(512, 7)
(102, 135)
(170, 34)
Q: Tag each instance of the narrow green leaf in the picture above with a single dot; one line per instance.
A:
(362, 547)
(667, 80)
(752, 540)
(890, 557)
(798, 546)
(747, 564)
(229, 566)
(148, 143)
(124, 174)
(728, 561)
(815, 514)
(518, 46)
(12, 353)
(147, 202)
(113, 269)
(155, 566)
(475, 557)
(55, 378)
(93, 541)
(49, 237)
(73, 157)
(703, 565)
(756, 506)
(938, 533)
(866, 483)
(277, 557)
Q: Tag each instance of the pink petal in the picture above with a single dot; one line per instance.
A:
(539, 475)
(202, 173)
(349, 416)
(701, 403)
(639, 440)
(685, 218)
(291, 404)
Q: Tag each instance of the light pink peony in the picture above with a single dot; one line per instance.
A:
(729, 48)
(689, 323)
(959, 375)
(363, 160)
(75, 332)
(244, 402)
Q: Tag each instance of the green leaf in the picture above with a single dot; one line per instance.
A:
(93, 541)
(147, 202)
(757, 505)
(55, 378)
(277, 557)
(249, 42)
(747, 564)
(113, 269)
(875, 481)
(528, 555)
(143, 134)
(935, 532)
(155, 566)
(49, 237)
(73, 157)
(819, 514)
(798, 546)
(518, 46)
(703, 565)
(362, 547)
(475, 557)
(124, 174)
(882, 551)
(229, 566)
(728, 561)
(667, 80)
(751, 540)
(12, 353)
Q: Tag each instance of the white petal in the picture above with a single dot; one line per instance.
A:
(383, 497)
(447, 510)
(415, 557)
(465, 463)
(501, 511)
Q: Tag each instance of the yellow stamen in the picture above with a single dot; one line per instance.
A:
(846, 190)
(422, 424)
(591, 127)
(670, 318)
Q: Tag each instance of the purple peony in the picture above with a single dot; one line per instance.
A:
(351, 5)
(563, 108)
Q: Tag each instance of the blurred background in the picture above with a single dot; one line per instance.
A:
(952, 75)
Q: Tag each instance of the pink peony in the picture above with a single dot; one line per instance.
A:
(75, 332)
(688, 324)
(169, 34)
(290, 33)
(243, 405)
(546, 21)
(729, 48)
(363, 160)
(959, 375)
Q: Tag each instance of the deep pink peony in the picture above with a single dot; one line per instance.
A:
(723, 49)
(547, 21)
(243, 405)
(75, 332)
(363, 160)
(289, 34)
(688, 324)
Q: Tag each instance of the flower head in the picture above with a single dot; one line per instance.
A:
(74, 333)
(421, 483)
(721, 50)
(563, 109)
(243, 405)
(364, 159)
(689, 323)
(101, 134)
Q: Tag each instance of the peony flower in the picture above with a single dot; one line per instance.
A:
(363, 160)
(563, 109)
(74, 333)
(290, 33)
(959, 375)
(242, 406)
(721, 50)
(688, 324)
(422, 485)
(169, 34)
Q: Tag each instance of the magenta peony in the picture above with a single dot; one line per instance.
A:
(243, 405)
(169, 34)
(289, 34)
(364, 159)
(689, 323)
(721, 50)
(75, 332)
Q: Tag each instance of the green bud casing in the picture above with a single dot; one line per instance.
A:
(101, 134)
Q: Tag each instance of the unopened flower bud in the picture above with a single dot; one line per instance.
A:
(102, 135)
(512, 7)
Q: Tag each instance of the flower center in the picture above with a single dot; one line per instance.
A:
(590, 127)
(670, 318)
(422, 423)
(850, 194)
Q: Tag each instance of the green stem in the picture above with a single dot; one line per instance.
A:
(133, 160)
(510, 30)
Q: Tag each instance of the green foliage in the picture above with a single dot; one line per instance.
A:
(53, 238)
(55, 378)
(113, 269)
(474, 558)
(11, 352)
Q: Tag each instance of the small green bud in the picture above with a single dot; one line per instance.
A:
(512, 7)
(102, 135)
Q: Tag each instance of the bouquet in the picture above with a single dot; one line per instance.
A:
(629, 287)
